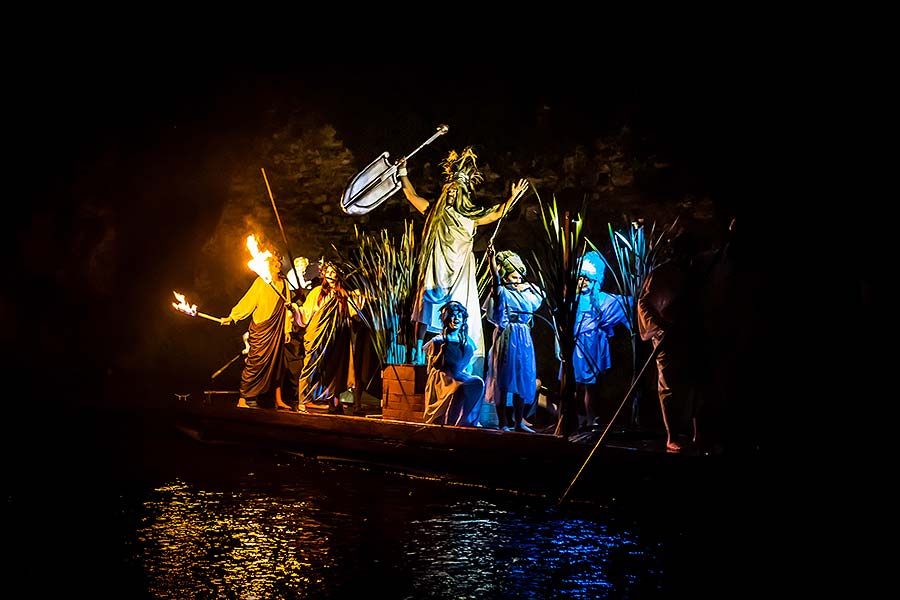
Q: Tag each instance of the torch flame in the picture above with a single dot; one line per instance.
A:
(183, 306)
(260, 261)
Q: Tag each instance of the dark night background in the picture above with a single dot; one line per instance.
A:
(126, 174)
(122, 167)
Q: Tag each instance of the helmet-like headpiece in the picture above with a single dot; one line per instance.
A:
(462, 169)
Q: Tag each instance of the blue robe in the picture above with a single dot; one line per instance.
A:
(452, 396)
(598, 313)
(511, 361)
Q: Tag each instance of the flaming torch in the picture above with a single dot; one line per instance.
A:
(190, 309)
(259, 264)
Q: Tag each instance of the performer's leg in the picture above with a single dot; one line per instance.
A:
(589, 403)
(581, 391)
(667, 401)
(500, 405)
(242, 401)
(519, 414)
(279, 403)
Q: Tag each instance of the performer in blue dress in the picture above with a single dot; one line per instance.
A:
(512, 373)
(597, 315)
(452, 395)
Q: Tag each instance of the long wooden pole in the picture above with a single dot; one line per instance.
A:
(507, 207)
(281, 228)
(441, 130)
(211, 318)
(199, 314)
(611, 421)
(228, 364)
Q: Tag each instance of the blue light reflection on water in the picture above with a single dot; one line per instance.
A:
(308, 529)
(143, 516)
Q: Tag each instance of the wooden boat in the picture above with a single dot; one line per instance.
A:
(537, 463)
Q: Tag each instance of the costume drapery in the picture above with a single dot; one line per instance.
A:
(598, 313)
(511, 360)
(452, 396)
(448, 273)
(265, 366)
(327, 342)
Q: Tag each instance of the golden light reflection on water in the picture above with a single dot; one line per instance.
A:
(249, 545)
(232, 545)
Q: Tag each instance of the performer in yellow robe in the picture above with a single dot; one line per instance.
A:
(270, 329)
(328, 368)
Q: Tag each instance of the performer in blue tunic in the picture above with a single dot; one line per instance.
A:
(452, 396)
(597, 315)
(512, 373)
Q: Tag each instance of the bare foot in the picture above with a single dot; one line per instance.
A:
(282, 406)
(242, 403)
(674, 447)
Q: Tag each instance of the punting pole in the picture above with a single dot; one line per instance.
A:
(287, 247)
(611, 421)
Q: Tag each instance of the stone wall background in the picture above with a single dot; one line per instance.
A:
(149, 182)
(618, 179)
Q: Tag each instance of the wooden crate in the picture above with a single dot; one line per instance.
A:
(403, 393)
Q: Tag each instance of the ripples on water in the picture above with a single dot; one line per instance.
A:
(330, 534)
(172, 519)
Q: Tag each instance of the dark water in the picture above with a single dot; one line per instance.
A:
(119, 504)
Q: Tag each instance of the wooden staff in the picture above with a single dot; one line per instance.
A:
(200, 314)
(211, 318)
(281, 228)
(611, 421)
(244, 352)
(508, 207)
(506, 210)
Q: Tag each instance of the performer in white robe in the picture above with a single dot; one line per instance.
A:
(446, 259)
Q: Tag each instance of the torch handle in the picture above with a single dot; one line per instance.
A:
(211, 318)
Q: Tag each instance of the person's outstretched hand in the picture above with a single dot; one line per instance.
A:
(519, 188)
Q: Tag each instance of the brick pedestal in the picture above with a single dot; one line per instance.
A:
(403, 393)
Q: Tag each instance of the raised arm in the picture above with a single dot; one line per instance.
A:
(495, 270)
(409, 191)
(517, 190)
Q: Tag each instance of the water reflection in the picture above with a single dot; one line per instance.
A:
(478, 548)
(233, 544)
(336, 531)
(124, 508)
